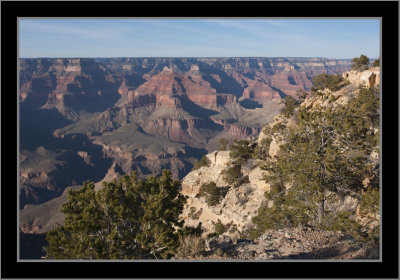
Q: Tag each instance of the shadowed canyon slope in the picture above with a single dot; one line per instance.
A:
(86, 119)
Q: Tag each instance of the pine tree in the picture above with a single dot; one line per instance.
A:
(322, 81)
(360, 63)
(211, 193)
(128, 219)
(289, 106)
(233, 175)
(326, 152)
(241, 151)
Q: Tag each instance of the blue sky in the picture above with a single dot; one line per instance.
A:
(330, 38)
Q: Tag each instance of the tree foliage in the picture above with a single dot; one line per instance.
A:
(261, 151)
(128, 219)
(301, 95)
(241, 151)
(360, 63)
(204, 161)
(376, 63)
(327, 151)
(233, 175)
(322, 81)
(289, 106)
(370, 201)
(211, 193)
(191, 244)
(219, 227)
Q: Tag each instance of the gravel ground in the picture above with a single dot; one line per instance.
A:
(290, 244)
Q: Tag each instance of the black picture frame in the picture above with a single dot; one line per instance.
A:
(386, 10)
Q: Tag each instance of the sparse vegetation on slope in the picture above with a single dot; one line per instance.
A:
(289, 105)
(204, 161)
(360, 63)
(323, 81)
(376, 63)
(241, 151)
(325, 156)
(234, 176)
(211, 193)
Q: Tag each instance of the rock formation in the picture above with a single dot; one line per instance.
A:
(239, 204)
(189, 101)
(82, 119)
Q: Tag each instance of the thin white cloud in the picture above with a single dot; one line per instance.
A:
(168, 24)
(61, 29)
(182, 37)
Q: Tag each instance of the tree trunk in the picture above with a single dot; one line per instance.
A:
(321, 210)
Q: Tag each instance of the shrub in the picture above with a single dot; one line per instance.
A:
(241, 151)
(376, 63)
(219, 227)
(222, 144)
(233, 175)
(370, 201)
(360, 63)
(190, 231)
(191, 246)
(262, 150)
(278, 127)
(196, 215)
(322, 81)
(190, 242)
(289, 106)
(301, 95)
(204, 161)
(192, 211)
(342, 221)
(233, 229)
(211, 193)
(212, 234)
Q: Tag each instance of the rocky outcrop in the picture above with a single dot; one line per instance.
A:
(238, 205)
(144, 114)
(370, 77)
(192, 182)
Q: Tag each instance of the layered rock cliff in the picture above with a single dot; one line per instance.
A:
(238, 205)
(173, 109)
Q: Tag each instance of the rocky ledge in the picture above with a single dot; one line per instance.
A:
(289, 244)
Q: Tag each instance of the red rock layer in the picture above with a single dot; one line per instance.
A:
(261, 92)
(175, 130)
(169, 82)
(243, 131)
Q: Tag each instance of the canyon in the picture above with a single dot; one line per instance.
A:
(97, 119)
(80, 117)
